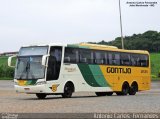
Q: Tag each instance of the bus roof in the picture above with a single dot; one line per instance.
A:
(106, 47)
(92, 46)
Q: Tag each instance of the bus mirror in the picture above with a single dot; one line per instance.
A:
(44, 59)
(10, 61)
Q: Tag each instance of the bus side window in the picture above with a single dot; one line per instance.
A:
(117, 58)
(135, 60)
(100, 57)
(110, 58)
(57, 53)
(114, 58)
(71, 55)
(125, 59)
(86, 56)
(144, 60)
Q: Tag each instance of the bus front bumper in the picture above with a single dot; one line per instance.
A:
(30, 89)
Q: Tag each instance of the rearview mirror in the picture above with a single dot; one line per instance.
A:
(44, 59)
(10, 61)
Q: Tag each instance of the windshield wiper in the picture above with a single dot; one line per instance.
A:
(25, 70)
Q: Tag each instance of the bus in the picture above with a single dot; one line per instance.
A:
(55, 69)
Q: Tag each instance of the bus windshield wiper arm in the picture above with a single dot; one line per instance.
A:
(25, 70)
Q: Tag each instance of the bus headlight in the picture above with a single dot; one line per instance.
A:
(41, 83)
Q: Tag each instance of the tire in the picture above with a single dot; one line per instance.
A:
(133, 89)
(68, 90)
(125, 89)
(41, 95)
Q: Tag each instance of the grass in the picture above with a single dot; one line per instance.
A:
(3, 60)
(155, 65)
(4, 69)
(6, 78)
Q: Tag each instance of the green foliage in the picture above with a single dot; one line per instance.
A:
(155, 63)
(149, 41)
(153, 76)
(5, 71)
(159, 74)
(6, 78)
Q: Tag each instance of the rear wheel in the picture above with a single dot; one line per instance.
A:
(133, 89)
(41, 95)
(125, 89)
(68, 90)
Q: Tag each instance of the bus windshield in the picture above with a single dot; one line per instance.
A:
(33, 50)
(29, 63)
(29, 68)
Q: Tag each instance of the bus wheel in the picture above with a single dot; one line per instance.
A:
(101, 93)
(41, 95)
(133, 89)
(68, 90)
(125, 89)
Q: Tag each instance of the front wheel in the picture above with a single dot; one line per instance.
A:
(41, 95)
(68, 90)
(125, 89)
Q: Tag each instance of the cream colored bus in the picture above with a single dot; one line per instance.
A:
(63, 69)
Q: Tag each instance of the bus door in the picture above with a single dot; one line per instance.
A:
(54, 63)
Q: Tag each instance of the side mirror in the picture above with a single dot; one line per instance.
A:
(44, 59)
(10, 61)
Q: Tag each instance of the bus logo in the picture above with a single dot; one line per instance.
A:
(54, 88)
(118, 70)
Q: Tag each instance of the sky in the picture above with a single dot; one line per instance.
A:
(26, 22)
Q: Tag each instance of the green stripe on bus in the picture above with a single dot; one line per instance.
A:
(98, 75)
(87, 75)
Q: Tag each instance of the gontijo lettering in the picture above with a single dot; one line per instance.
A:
(118, 70)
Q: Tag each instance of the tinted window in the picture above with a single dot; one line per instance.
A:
(54, 63)
(125, 59)
(100, 57)
(57, 53)
(71, 55)
(86, 56)
(114, 58)
(144, 60)
(135, 60)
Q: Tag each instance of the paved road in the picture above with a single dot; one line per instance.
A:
(146, 101)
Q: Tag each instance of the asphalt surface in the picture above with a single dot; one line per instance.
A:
(142, 102)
